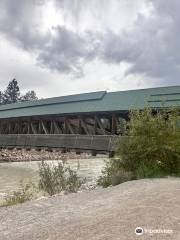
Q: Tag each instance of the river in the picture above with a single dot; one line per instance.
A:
(12, 173)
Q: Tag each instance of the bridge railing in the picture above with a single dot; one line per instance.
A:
(101, 143)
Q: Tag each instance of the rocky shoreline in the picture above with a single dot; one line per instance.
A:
(22, 155)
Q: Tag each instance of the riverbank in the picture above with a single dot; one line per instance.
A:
(111, 213)
(23, 155)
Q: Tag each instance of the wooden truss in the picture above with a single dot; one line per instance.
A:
(94, 124)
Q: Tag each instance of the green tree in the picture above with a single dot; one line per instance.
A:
(1, 98)
(12, 92)
(29, 96)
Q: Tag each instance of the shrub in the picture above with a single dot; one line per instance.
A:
(153, 144)
(55, 179)
(144, 171)
(25, 193)
(152, 148)
(114, 173)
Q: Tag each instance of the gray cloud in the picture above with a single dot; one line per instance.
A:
(19, 21)
(63, 50)
(151, 45)
(67, 51)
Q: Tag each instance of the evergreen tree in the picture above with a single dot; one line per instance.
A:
(1, 98)
(12, 92)
(29, 96)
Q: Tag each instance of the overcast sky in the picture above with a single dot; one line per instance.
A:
(59, 47)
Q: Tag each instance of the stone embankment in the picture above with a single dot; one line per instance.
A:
(102, 214)
(21, 155)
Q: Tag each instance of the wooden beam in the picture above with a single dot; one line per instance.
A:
(19, 123)
(69, 126)
(51, 127)
(84, 126)
(79, 126)
(28, 127)
(56, 128)
(75, 125)
(16, 127)
(39, 127)
(24, 128)
(113, 124)
(100, 125)
(44, 127)
(95, 125)
(65, 126)
(9, 127)
(34, 131)
(0, 127)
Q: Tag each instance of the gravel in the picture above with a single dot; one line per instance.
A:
(111, 213)
(22, 155)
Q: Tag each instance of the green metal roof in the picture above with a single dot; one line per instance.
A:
(96, 102)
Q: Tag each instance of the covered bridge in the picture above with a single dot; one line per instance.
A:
(87, 113)
(81, 121)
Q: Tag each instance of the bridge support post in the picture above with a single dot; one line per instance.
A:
(113, 124)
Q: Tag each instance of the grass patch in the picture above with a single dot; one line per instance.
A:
(25, 193)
